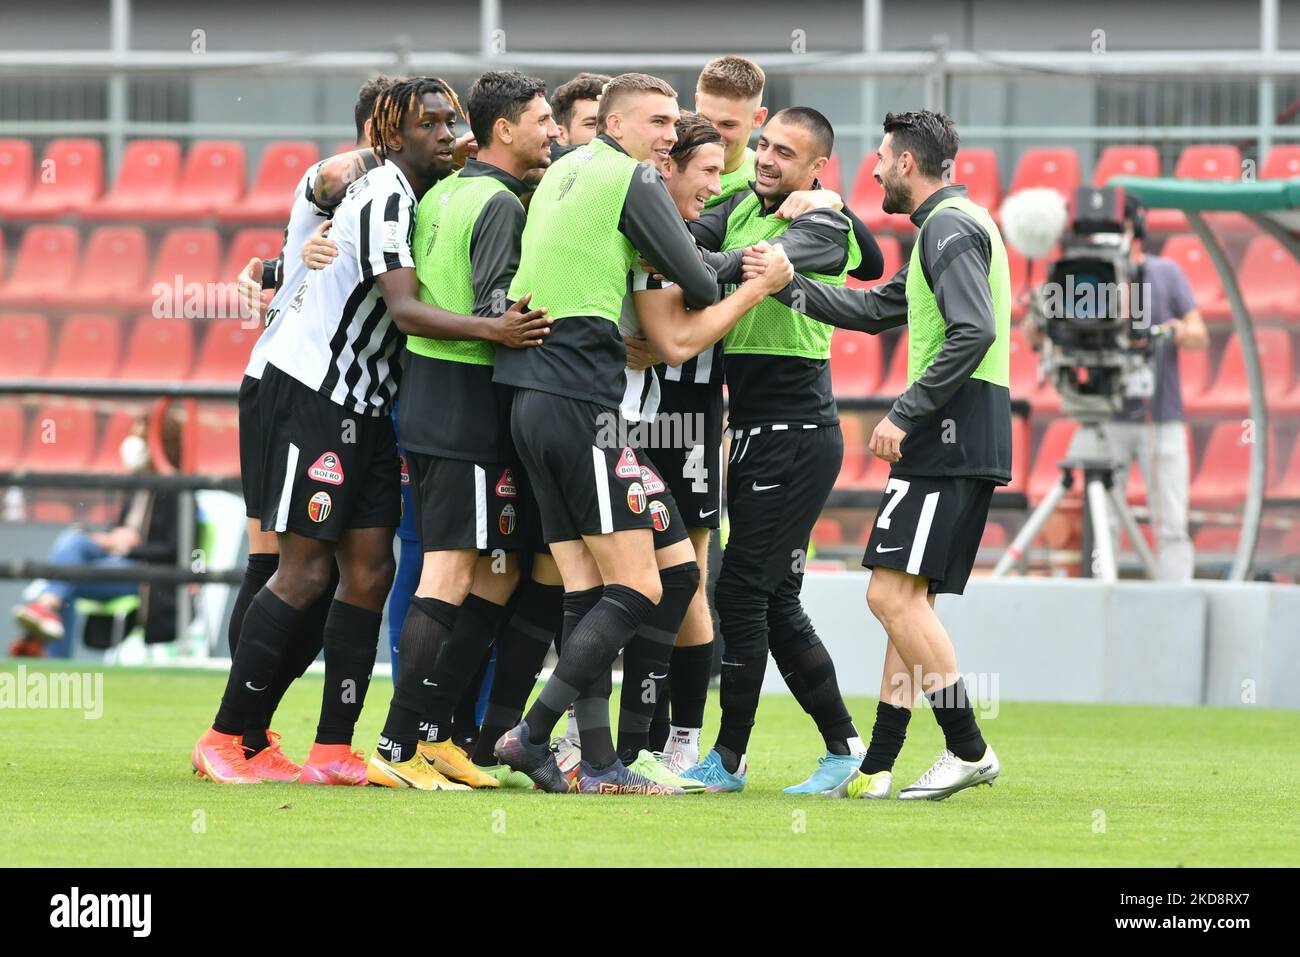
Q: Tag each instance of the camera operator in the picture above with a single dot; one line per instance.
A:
(1150, 428)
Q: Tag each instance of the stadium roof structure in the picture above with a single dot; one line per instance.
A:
(1273, 206)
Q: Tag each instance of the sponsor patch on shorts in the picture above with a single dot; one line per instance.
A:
(406, 471)
(320, 506)
(652, 482)
(628, 466)
(327, 469)
(506, 487)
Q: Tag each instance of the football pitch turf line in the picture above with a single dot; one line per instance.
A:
(1081, 785)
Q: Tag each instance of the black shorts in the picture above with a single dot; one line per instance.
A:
(462, 504)
(250, 447)
(693, 470)
(324, 468)
(584, 483)
(667, 521)
(930, 526)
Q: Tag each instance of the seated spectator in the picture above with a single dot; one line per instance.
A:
(146, 531)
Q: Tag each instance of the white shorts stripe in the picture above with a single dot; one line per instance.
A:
(480, 508)
(286, 490)
(717, 477)
(922, 533)
(602, 490)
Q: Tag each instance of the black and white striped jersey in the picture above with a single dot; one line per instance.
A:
(704, 369)
(641, 388)
(335, 334)
(304, 217)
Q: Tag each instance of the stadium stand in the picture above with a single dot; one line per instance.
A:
(1125, 161)
(213, 180)
(225, 351)
(977, 170)
(1212, 161)
(112, 269)
(866, 199)
(1188, 251)
(1270, 280)
(70, 177)
(269, 200)
(15, 172)
(24, 345)
(159, 350)
(855, 364)
(146, 184)
(187, 256)
(1052, 168)
(46, 261)
(90, 347)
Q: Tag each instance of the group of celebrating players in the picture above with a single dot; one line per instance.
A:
(518, 305)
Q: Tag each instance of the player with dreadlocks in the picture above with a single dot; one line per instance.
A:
(330, 471)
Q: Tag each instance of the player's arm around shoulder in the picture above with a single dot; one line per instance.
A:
(651, 222)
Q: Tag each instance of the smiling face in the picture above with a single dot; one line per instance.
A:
(891, 173)
(787, 159)
(735, 121)
(530, 138)
(644, 126)
(699, 182)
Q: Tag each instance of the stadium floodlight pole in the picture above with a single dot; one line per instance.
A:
(1268, 25)
(119, 40)
(489, 25)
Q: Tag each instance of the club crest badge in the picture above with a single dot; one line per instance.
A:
(660, 515)
(636, 498)
(319, 507)
(507, 520)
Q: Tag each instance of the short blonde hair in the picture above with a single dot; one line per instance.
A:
(623, 86)
(732, 77)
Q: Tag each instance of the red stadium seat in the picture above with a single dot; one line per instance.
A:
(1207, 289)
(15, 173)
(1197, 162)
(225, 351)
(272, 194)
(190, 258)
(146, 183)
(160, 350)
(24, 345)
(11, 435)
(89, 348)
(854, 466)
(1125, 161)
(893, 256)
(118, 427)
(866, 200)
(827, 531)
(46, 261)
(1230, 393)
(1269, 278)
(1282, 162)
(1221, 480)
(113, 269)
(1024, 366)
(1193, 373)
(70, 177)
(895, 383)
(249, 243)
(213, 180)
(830, 175)
(1286, 478)
(856, 363)
(62, 438)
(1052, 168)
(977, 170)
(1052, 447)
(1026, 276)
(1217, 539)
(216, 437)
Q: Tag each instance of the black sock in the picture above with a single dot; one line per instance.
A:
(690, 684)
(521, 652)
(459, 658)
(588, 653)
(887, 737)
(464, 720)
(268, 628)
(810, 675)
(428, 624)
(646, 659)
(303, 649)
(659, 724)
(957, 721)
(261, 566)
(351, 639)
(591, 709)
(742, 683)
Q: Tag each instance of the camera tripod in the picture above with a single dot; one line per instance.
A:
(1090, 453)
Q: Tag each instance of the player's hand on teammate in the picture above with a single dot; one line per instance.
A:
(463, 149)
(777, 269)
(639, 353)
(249, 290)
(887, 440)
(520, 327)
(319, 250)
(655, 274)
(806, 200)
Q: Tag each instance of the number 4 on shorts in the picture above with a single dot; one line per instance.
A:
(695, 470)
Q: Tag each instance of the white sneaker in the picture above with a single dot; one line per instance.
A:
(950, 774)
(873, 787)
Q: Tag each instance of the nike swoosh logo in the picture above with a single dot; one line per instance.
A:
(764, 488)
(944, 242)
(731, 664)
(658, 677)
(249, 686)
(431, 684)
(704, 514)
(882, 549)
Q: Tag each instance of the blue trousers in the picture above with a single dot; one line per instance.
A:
(74, 547)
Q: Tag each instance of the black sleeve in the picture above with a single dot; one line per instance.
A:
(272, 273)
(873, 260)
(955, 256)
(711, 228)
(161, 538)
(494, 252)
(653, 225)
(817, 241)
(861, 310)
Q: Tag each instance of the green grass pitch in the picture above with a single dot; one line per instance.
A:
(1084, 785)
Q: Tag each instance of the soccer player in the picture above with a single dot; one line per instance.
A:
(596, 211)
(948, 439)
(329, 466)
(729, 94)
(454, 422)
(261, 745)
(785, 455)
(575, 108)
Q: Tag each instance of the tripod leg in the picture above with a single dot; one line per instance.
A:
(1033, 525)
(1101, 543)
(1134, 533)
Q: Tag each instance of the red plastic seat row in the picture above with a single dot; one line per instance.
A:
(115, 270)
(153, 184)
(91, 347)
